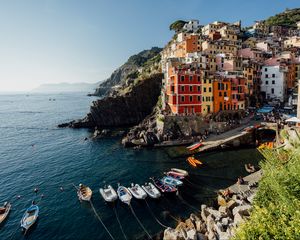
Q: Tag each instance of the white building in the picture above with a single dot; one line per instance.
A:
(192, 25)
(292, 42)
(273, 82)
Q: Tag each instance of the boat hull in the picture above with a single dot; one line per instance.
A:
(108, 194)
(29, 218)
(124, 195)
(137, 192)
(4, 215)
(151, 190)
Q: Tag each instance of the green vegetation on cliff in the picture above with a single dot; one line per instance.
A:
(177, 25)
(287, 18)
(276, 209)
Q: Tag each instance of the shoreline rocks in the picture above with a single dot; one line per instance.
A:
(216, 224)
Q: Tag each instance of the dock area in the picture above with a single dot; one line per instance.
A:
(215, 141)
(250, 180)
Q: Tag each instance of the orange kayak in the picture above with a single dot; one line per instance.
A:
(191, 162)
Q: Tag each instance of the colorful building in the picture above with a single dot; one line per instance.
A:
(183, 90)
(207, 93)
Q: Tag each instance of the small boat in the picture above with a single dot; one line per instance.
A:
(193, 159)
(29, 218)
(137, 191)
(151, 190)
(124, 195)
(181, 171)
(108, 193)
(195, 146)
(175, 175)
(4, 211)
(191, 162)
(171, 181)
(164, 188)
(84, 193)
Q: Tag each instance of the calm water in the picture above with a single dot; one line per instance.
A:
(34, 153)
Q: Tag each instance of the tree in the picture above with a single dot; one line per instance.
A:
(177, 25)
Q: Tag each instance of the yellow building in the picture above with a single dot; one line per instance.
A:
(248, 73)
(219, 46)
(207, 94)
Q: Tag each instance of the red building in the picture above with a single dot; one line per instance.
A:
(183, 90)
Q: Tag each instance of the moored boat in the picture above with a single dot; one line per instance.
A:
(108, 193)
(164, 188)
(4, 211)
(151, 190)
(137, 191)
(29, 218)
(175, 175)
(194, 160)
(181, 171)
(195, 146)
(191, 162)
(84, 193)
(124, 194)
(171, 181)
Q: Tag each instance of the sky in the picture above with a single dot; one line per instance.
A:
(53, 41)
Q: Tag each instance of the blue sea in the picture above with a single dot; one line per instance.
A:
(34, 153)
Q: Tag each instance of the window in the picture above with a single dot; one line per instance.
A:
(220, 94)
(182, 78)
(209, 89)
(267, 82)
(199, 89)
(191, 98)
(191, 78)
(204, 89)
(273, 75)
(225, 94)
(191, 88)
(204, 81)
(182, 88)
(203, 99)
(273, 82)
(209, 80)
(199, 98)
(272, 90)
(266, 76)
(182, 98)
(199, 79)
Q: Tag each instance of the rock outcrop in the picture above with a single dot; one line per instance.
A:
(127, 108)
(216, 224)
(127, 73)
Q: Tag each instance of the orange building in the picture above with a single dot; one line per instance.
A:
(189, 44)
(183, 91)
(229, 93)
(222, 94)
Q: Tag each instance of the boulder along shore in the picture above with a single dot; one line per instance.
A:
(233, 207)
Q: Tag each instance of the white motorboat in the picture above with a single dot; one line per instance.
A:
(151, 190)
(185, 173)
(84, 193)
(137, 191)
(4, 211)
(108, 193)
(124, 194)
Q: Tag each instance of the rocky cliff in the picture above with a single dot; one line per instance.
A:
(127, 108)
(129, 71)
